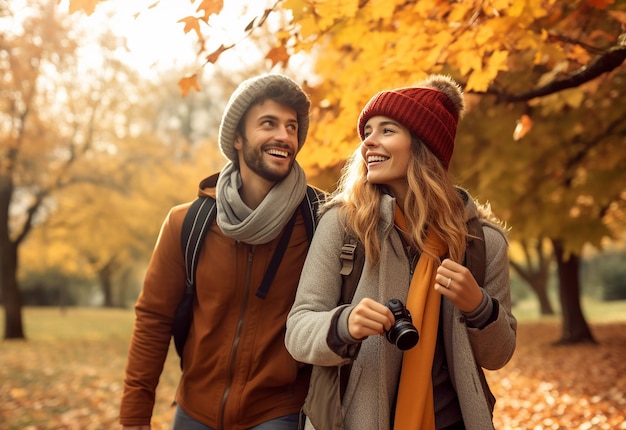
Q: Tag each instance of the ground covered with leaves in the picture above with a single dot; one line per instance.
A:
(69, 376)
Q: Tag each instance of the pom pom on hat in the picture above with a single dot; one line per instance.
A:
(431, 110)
(248, 92)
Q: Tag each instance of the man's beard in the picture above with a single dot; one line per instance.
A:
(253, 157)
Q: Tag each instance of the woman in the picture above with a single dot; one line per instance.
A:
(414, 251)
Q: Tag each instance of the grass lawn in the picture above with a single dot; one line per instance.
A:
(69, 373)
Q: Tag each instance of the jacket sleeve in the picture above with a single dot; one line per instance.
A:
(311, 323)
(494, 344)
(163, 288)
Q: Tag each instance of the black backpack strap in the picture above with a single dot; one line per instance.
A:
(198, 220)
(475, 253)
(309, 208)
(279, 253)
(196, 223)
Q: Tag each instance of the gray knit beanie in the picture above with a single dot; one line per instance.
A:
(276, 87)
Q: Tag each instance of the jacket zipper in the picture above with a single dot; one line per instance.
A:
(235, 345)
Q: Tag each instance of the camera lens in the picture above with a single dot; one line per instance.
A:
(404, 336)
(403, 333)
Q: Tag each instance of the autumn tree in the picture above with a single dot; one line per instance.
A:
(36, 151)
(61, 121)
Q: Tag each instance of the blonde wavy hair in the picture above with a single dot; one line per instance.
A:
(432, 203)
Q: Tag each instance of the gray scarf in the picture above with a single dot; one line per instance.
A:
(263, 224)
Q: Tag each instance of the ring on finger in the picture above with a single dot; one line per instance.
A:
(449, 282)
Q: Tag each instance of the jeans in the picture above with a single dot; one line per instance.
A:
(182, 421)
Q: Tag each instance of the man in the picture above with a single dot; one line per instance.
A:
(237, 373)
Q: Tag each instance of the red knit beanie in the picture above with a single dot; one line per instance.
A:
(430, 109)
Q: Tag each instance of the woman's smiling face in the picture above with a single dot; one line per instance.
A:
(386, 150)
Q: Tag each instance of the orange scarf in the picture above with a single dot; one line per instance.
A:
(415, 408)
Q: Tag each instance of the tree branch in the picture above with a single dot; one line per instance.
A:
(607, 62)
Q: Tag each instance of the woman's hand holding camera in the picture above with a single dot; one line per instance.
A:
(456, 282)
(369, 318)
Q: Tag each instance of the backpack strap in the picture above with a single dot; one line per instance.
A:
(308, 207)
(475, 253)
(197, 221)
(279, 253)
(352, 262)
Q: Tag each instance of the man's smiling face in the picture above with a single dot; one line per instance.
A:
(269, 144)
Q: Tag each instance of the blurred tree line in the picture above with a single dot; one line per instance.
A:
(91, 157)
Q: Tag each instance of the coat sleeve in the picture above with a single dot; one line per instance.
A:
(163, 288)
(313, 313)
(493, 345)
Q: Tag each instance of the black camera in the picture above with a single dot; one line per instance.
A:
(402, 333)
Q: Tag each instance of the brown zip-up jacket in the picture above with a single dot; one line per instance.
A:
(237, 372)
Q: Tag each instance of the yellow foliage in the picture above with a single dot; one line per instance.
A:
(538, 8)
(377, 9)
(459, 12)
(331, 10)
(468, 61)
(307, 26)
(483, 35)
(498, 5)
(481, 77)
(497, 63)
(431, 9)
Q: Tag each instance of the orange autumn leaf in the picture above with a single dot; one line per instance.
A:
(213, 56)
(88, 6)
(210, 7)
(600, 4)
(188, 83)
(524, 125)
(277, 55)
(191, 23)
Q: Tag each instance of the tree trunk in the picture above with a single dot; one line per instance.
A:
(106, 274)
(545, 307)
(11, 298)
(575, 327)
(536, 272)
(13, 326)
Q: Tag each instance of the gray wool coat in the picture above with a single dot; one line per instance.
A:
(371, 389)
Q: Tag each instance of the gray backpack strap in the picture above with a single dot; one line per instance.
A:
(352, 262)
